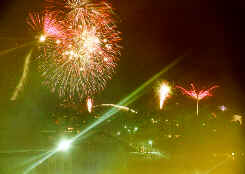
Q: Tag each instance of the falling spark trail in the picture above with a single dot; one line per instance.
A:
(124, 108)
(21, 83)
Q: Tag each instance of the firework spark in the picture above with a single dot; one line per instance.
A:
(21, 83)
(89, 104)
(197, 94)
(163, 93)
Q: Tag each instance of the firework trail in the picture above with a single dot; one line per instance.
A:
(163, 93)
(21, 83)
(80, 46)
(123, 108)
(197, 94)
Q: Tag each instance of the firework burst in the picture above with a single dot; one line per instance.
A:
(80, 47)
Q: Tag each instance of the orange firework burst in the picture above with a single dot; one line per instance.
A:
(80, 46)
(197, 94)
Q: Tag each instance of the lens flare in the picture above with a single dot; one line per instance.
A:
(64, 145)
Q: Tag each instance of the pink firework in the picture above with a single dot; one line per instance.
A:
(47, 25)
(197, 94)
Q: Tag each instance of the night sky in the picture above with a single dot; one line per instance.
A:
(154, 33)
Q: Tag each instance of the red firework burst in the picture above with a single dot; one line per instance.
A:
(197, 94)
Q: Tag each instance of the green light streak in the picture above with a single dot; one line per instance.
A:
(51, 153)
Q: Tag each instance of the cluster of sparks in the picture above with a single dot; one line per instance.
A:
(79, 44)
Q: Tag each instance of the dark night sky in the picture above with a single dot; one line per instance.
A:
(154, 34)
